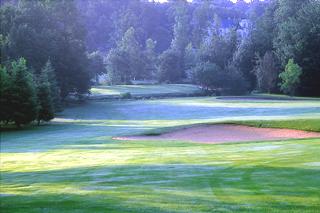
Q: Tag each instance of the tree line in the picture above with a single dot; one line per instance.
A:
(43, 59)
(269, 46)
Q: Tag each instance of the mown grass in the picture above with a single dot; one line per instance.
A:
(312, 125)
(298, 124)
(138, 90)
(73, 165)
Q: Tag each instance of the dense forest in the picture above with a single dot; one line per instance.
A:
(53, 49)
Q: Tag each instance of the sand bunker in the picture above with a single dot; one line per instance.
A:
(227, 134)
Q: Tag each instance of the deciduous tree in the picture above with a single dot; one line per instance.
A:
(290, 78)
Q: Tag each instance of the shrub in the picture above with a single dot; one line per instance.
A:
(126, 95)
(290, 78)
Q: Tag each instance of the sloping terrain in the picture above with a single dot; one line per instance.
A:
(74, 164)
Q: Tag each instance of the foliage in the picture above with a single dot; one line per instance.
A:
(200, 22)
(126, 62)
(54, 87)
(23, 100)
(118, 68)
(212, 77)
(266, 71)
(170, 69)
(96, 66)
(150, 59)
(214, 68)
(44, 96)
(298, 38)
(192, 58)
(219, 48)
(181, 27)
(235, 84)
(126, 95)
(43, 30)
(290, 78)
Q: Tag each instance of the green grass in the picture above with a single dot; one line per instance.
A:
(299, 124)
(312, 125)
(73, 165)
(143, 90)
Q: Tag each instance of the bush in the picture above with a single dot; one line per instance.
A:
(126, 95)
(216, 80)
(236, 83)
(290, 78)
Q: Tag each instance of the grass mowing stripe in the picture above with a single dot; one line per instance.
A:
(73, 165)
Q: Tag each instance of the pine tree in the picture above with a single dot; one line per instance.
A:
(24, 99)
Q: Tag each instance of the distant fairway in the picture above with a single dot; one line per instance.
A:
(74, 165)
(145, 90)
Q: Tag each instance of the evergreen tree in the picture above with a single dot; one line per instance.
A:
(24, 99)
(46, 109)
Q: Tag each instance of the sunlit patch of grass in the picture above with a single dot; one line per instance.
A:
(145, 89)
(167, 176)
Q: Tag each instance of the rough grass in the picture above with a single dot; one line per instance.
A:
(73, 165)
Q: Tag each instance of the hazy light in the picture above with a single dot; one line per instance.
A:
(234, 1)
(163, 1)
